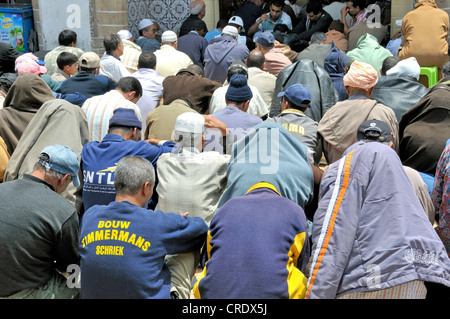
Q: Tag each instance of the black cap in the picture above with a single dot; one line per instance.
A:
(374, 130)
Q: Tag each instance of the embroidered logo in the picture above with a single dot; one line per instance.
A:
(415, 255)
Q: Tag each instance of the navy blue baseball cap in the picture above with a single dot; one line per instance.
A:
(297, 94)
(266, 39)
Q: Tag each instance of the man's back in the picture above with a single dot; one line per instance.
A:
(247, 230)
(219, 55)
(99, 110)
(264, 82)
(88, 84)
(340, 123)
(51, 57)
(191, 181)
(122, 248)
(194, 46)
(38, 227)
(99, 160)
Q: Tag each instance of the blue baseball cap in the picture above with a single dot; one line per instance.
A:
(266, 39)
(125, 117)
(62, 160)
(298, 94)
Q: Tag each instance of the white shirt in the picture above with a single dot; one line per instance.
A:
(152, 91)
(99, 110)
(130, 57)
(170, 60)
(257, 105)
(112, 67)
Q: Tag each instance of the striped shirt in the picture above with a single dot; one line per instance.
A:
(130, 57)
(99, 110)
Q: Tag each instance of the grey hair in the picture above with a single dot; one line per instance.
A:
(40, 166)
(132, 172)
(196, 7)
(318, 37)
(446, 69)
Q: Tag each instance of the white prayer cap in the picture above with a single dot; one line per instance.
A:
(144, 23)
(125, 34)
(190, 122)
(168, 36)
(231, 31)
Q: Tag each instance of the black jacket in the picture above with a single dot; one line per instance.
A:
(320, 25)
(399, 93)
(306, 72)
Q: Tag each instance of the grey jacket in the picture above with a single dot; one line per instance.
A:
(370, 231)
(318, 81)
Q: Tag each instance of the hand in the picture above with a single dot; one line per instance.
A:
(184, 215)
(212, 122)
(153, 141)
(344, 12)
(264, 17)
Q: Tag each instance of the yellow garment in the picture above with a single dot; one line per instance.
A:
(425, 32)
(4, 158)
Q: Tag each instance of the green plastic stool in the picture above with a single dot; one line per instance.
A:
(432, 74)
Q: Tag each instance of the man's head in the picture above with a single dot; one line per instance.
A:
(113, 45)
(446, 69)
(67, 62)
(360, 79)
(198, 8)
(89, 62)
(265, 41)
(314, 10)
(388, 64)
(68, 38)
(374, 131)
(239, 93)
(355, 7)
(200, 27)
(318, 37)
(130, 87)
(125, 123)
(196, 69)
(297, 96)
(147, 60)
(276, 9)
(190, 130)
(237, 67)
(134, 178)
(169, 38)
(148, 29)
(230, 31)
(258, 3)
(255, 59)
(237, 22)
(58, 165)
(126, 35)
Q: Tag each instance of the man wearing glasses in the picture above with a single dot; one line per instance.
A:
(148, 32)
(267, 21)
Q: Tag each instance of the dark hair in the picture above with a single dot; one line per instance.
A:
(389, 63)
(302, 107)
(281, 27)
(255, 59)
(278, 3)
(446, 69)
(67, 37)
(66, 58)
(314, 6)
(147, 60)
(236, 69)
(222, 23)
(129, 84)
(110, 42)
(197, 69)
(362, 4)
(198, 25)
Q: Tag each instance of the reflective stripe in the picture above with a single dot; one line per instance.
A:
(330, 217)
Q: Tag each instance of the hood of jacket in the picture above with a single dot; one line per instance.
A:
(367, 41)
(28, 91)
(335, 61)
(426, 3)
(219, 47)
